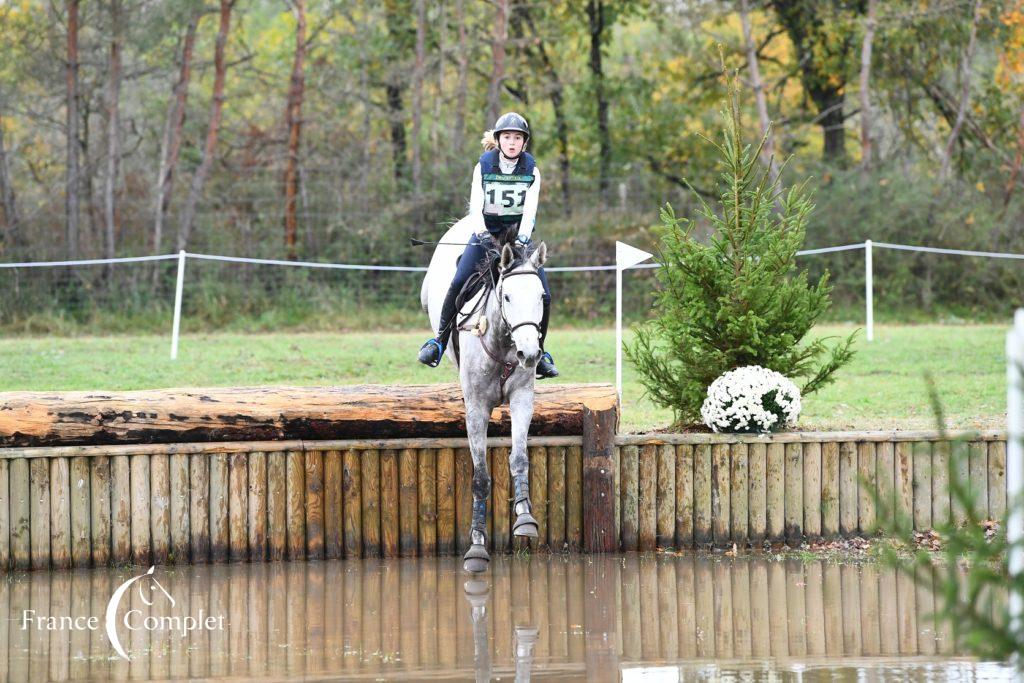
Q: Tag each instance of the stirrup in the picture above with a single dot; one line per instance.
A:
(426, 360)
(526, 524)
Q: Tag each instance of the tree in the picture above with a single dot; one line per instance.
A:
(293, 122)
(113, 128)
(72, 181)
(737, 300)
(865, 86)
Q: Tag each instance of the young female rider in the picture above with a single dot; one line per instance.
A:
(505, 191)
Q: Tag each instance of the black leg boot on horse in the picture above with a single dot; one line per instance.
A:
(477, 558)
(526, 523)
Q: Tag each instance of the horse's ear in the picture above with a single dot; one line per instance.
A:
(539, 255)
(507, 256)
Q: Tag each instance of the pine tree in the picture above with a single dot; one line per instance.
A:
(738, 299)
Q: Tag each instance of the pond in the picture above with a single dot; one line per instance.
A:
(615, 617)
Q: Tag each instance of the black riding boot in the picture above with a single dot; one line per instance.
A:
(432, 350)
(525, 524)
(476, 558)
(546, 365)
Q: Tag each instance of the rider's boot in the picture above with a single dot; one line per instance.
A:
(432, 350)
(477, 558)
(546, 365)
(525, 524)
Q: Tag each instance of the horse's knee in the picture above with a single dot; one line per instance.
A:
(518, 463)
(481, 484)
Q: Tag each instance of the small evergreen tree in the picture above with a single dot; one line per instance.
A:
(738, 299)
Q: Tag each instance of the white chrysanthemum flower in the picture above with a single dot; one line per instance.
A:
(751, 399)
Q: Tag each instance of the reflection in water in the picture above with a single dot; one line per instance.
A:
(553, 616)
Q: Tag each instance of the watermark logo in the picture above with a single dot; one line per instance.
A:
(150, 591)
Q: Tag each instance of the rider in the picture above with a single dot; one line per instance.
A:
(505, 191)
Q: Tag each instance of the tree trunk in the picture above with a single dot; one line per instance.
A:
(459, 131)
(171, 143)
(965, 92)
(865, 88)
(8, 202)
(293, 118)
(1014, 169)
(760, 98)
(113, 132)
(72, 178)
(206, 161)
(596, 17)
(498, 45)
(394, 89)
(417, 95)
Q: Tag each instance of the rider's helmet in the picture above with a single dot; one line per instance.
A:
(512, 121)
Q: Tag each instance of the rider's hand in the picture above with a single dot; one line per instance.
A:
(522, 239)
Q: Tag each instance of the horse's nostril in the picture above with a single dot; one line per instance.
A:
(520, 355)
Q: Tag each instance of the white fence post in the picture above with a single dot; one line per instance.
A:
(869, 290)
(177, 304)
(1015, 456)
(625, 257)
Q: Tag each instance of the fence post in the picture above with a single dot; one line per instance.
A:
(599, 427)
(1015, 457)
(869, 295)
(177, 304)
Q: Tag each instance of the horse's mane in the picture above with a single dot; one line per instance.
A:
(488, 266)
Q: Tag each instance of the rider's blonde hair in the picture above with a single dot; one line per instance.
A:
(489, 141)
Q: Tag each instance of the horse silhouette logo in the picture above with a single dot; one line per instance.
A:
(115, 601)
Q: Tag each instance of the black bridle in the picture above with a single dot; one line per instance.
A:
(508, 367)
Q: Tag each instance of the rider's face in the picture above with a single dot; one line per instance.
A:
(511, 143)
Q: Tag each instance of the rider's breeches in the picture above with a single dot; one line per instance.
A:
(467, 264)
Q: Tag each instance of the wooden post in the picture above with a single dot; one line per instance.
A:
(199, 506)
(556, 497)
(257, 506)
(996, 480)
(629, 484)
(501, 495)
(739, 491)
(574, 497)
(464, 498)
(812, 489)
(646, 501)
(332, 505)
(39, 472)
(81, 555)
(702, 494)
(352, 503)
(238, 507)
(940, 483)
(21, 546)
(978, 454)
(922, 485)
(179, 505)
(427, 495)
(868, 484)
(794, 493)
(160, 506)
(5, 516)
(904, 469)
(295, 476)
(598, 479)
(830, 489)
(848, 489)
(277, 505)
(666, 496)
(314, 505)
(121, 504)
(408, 502)
(720, 496)
(371, 502)
(389, 502)
(684, 495)
(220, 534)
(775, 493)
(445, 501)
(60, 513)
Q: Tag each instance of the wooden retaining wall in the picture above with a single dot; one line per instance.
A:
(253, 501)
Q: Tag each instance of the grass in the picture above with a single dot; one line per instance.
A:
(883, 388)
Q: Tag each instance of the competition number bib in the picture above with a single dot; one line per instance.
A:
(504, 195)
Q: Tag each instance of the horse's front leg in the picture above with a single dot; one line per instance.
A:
(478, 414)
(521, 407)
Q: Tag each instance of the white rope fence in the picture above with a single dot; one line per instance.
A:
(868, 246)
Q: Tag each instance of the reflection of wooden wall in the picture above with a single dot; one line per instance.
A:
(97, 505)
(385, 618)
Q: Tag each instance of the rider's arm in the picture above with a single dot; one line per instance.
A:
(476, 195)
(529, 206)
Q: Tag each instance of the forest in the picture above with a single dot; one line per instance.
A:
(333, 131)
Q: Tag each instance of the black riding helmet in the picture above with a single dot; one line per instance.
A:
(512, 121)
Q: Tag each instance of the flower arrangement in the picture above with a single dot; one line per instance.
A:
(751, 399)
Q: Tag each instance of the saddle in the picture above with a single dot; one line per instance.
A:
(481, 282)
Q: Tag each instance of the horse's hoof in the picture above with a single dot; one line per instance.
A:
(476, 559)
(525, 525)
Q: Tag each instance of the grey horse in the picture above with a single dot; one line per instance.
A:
(500, 347)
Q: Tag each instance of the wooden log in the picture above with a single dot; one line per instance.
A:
(684, 495)
(830, 489)
(389, 502)
(599, 426)
(445, 501)
(501, 495)
(739, 492)
(257, 506)
(121, 509)
(408, 503)
(81, 538)
(464, 498)
(556, 497)
(427, 496)
(574, 498)
(867, 476)
(701, 495)
(978, 464)
(666, 496)
(794, 488)
(647, 501)
(539, 494)
(720, 494)
(352, 503)
(940, 483)
(630, 494)
(371, 503)
(757, 485)
(21, 517)
(996, 480)
(238, 507)
(314, 504)
(39, 482)
(775, 491)
(904, 485)
(199, 506)
(60, 513)
(333, 533)
(5, 538)
(142, 549)
(617, 488)
(959, 461)
(849, 489)
(160, 506)
(885, 475)
(99, 509)
(277, 505)
(179, 507)
(922, 484)
(48, 418)
(220, 530)
(812, 475)
(295, 508)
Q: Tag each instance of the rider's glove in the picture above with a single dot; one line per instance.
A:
(522, 239)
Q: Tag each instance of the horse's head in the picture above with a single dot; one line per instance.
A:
(520, 298)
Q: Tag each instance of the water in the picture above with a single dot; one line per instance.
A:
(626, 617)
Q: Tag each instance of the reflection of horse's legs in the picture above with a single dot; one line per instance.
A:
(521, 406)
(477, 417)
(477, 593)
